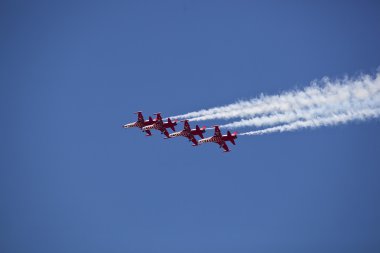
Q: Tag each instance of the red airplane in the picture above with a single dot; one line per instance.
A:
(140, 123)
(189, 133)
(160, 125)
(221, 139)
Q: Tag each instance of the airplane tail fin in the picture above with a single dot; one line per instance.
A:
(200, 130)
(172, 124)
(231, 137)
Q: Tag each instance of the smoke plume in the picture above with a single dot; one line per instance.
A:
(323, 103)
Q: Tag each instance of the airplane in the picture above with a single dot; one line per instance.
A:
(189, 133)
(160, 125)
(221, 139)
(140, 123)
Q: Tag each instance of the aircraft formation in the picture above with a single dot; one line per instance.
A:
(158, 124)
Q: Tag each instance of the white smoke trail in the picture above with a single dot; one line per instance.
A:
(341, 118)
(322, 111)
(327, 98)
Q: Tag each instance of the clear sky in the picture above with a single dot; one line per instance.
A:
(72, 180)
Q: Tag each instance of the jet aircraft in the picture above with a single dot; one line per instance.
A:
(160, 125)
(189, 133)
(140, 123)
(221, 139)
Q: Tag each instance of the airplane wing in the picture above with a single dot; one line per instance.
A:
(225, 147)
(164, 131)
(140, 117)
(158, 117)
(222, 144)
(186, 126)
(217, 132)
(191, 137)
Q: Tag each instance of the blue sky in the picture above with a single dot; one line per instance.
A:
(72, 180)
